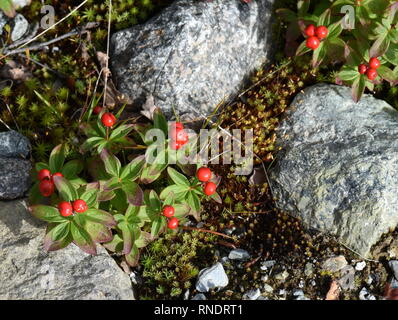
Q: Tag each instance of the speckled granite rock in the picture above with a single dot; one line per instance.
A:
(14, 178)
(193, 55)
(14, 169)
(338, 166)
(13, 145)
(28, 272)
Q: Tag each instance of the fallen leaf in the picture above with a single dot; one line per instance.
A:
(334, 291)
(15, 71)
(149, 107)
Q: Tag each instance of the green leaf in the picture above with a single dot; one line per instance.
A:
(133, 257)
(286, 14)
(57, 158)
(193, 201)
(134, 193)
(72, 168)
(133, 170)
(65, 189)
(47, 213)
(112, 184)
(54, 231)
(90, 196)
(121, 131)
(154, 201)
(111, 162)
(181, 210)
(100, 216)
(319, 54)
(92, 143)
(324, 19)
(176, 190)
(387, 74)
(392, 54)
(302, 49)
(347, 74)
(82, 239)
(302, 7)
(358, 88)
(98, 232)
(41, 165)
(380, 46)
(335, 29)
(116, 245)
(160, 121)
(157, 225)
(177, 177)
(8, 8)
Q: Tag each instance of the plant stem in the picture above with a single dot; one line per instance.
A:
(207, 231)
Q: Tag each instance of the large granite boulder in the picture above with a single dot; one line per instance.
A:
(14, 167)
(29, 272)
(338, 166)
(193, 55)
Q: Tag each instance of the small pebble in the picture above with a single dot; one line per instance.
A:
(252, 294)
(360, 266)
(268, 288)
(238, 254)
(365, 295)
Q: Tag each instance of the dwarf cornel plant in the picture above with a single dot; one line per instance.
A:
(112, 194)
(361, 37)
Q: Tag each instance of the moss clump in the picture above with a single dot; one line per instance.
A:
(171, 263)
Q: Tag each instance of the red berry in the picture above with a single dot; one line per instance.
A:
(310, 30)
(371, 74)
(80, 206)
(362, 68)
(175, 145)
(65, 209)
(312, 43)
(168, 211)
(173, 223)
(321, 32)
(44, 174)
(374, 63)
(108, 119)
(209, 188)
(179, 125)
(204, 174)
(57, 174)
(97, 110)
(46, 188)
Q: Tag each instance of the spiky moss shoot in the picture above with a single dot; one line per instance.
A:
(171, 264)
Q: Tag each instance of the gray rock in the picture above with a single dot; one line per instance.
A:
(28, 272)
(282, 276)
(13, 145)
(308, 269)
(347, 281)
(14, 178)
(194, 55)
(268, 264)
(360, 266)
(268, 288)
(252, 294)
(365, 295)
(394, 267)
(212, 277)
(199, 296)
(238, 254)
(334, 264)
(20, 3)
(3, 21)
(338, 165)
(20, 26)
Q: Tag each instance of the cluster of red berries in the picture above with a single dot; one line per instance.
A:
(66, 208)
(46, 185)
(315, 35)
(178, 136)
(370, 70)
(204, 175)
(108, 119)
(168, 212)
